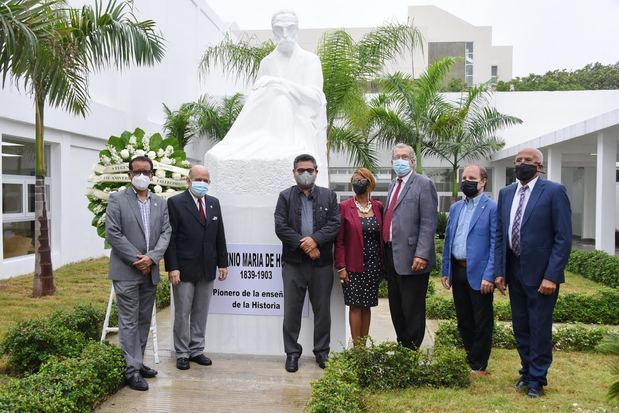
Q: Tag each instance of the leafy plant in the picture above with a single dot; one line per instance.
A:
(595, 265)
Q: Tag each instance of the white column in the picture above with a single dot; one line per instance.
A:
(1, 220)
(605, 192)
(498, 178)
(553, 164)
(588, 208)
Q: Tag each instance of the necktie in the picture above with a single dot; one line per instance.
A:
(517, 220)
(201, 211)
(389, 214)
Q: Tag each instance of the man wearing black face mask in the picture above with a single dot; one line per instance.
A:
(534, 240)
(468, 266)
(307, 219)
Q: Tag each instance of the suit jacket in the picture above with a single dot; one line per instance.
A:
(349, 245)
(545, 233)
(288, 224)
(196, 249)
(480, 242)
(124, 229)
(413, 224)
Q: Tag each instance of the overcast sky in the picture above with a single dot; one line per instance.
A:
(545, 34)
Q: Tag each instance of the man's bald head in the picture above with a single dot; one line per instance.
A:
(198, 173)
(530, 154)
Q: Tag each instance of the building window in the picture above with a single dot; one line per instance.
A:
(18, 196)
(494, 73)
(468, 63)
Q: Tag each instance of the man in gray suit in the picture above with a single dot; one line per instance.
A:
(408, 232)
(138, 229)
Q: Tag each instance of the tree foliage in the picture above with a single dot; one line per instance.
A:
(594, 76)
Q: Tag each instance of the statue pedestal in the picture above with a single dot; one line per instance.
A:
(244, 316)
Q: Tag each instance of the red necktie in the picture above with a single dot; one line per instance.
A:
(389, 214)
(201, 211)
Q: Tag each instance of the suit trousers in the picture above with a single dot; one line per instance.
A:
(475, 315)
(532, 322)
(407, 303)
(191, 302)
(135, 300)
(318, 281)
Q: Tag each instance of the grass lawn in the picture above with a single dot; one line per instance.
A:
(578, 382)
(84, 282)
(573, 284)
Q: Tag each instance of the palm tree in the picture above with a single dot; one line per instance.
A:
(205, 117)
(466, 130)
(22, 23)
(77, 41)
(348, 67)
(404, 111)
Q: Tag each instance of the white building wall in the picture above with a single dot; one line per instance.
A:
(119, 101)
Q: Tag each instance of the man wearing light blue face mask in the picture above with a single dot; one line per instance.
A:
(408, 232)
(197, 248)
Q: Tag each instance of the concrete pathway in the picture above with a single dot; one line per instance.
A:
(233, 383)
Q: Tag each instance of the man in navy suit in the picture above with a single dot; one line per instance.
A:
(468, 266)
(197, 248)
(534, 240)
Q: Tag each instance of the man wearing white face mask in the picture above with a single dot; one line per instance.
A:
(138, 229)
(409, 225)
(197, 253)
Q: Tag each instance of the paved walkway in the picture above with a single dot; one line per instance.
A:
(233, 383)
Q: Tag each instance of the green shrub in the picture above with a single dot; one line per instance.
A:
(502, 310)
(448, 368)
(595, 265)
(598, 308)
(338, 389)
(440, 308)
(71, 385)
(163, 293)
(438, 245)
(503, 336)
(577, 337)
(83, 318)
(32, 342)
(386, 366)
(382, 367)
(441, 224)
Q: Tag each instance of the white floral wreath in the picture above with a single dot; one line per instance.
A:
(110, 174)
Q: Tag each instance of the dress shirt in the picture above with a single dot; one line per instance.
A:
(404, 180)
(512, 214)
(458, 249)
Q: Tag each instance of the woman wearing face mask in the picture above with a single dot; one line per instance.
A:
(358, 254)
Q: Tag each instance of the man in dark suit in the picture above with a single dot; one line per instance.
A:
(138, 229)
(468, 265)
(307, 219)
(409, 225)
(534, 239)
(197, 248)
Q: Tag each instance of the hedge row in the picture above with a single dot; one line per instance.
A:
(598, 308)
(69, 385)
(566, 338)
(595, 265)
(382, 367)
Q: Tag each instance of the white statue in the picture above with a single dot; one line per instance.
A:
(284, 115)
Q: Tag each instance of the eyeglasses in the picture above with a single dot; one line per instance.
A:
(359, 181)
(308, 170)
(141, 172)
(403, 157)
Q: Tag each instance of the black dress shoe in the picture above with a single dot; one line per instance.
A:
(321, 360)
(147, 372)
(182, 363)
(521, 384)
(201, 359)
(292, 363)
(136, 382)
(535, 392)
